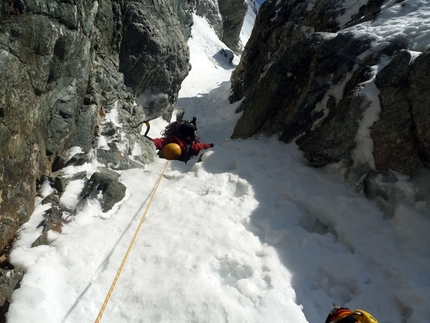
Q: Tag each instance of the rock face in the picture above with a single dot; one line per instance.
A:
(105, 182)
(9, 280)
(232, 12)
(154, 55)
(310, 75)
(210, 10)
(226, 17)
(402, 134)
(63, 66)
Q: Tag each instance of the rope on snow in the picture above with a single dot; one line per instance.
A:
(109, 294)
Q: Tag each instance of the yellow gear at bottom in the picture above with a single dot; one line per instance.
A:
(364, 317)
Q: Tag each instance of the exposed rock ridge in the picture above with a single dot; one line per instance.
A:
(233, 12)
(63, 65)
(226, 17)
(63, 68)
(309, 76)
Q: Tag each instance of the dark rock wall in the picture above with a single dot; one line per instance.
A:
(210, 10)
(232, 12)
(154, 55)
(302, 75)
(226, 18)
(45, 66)
(402, 134)
(63, 64)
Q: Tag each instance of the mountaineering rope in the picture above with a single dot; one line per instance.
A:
(109, 294)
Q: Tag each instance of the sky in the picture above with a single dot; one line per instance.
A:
(251, 233)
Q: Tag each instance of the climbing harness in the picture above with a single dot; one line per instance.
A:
(109, 294)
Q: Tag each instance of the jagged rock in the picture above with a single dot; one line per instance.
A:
(59, 163)
(402, 134)
(52, 220)
(60, 184)
(210, 10)
(42, 240)
(283, 100)
(225, 17)
(9, 281)
(116, 159)
(233, 13)
(184, 12)
(104, 182)
(227, 54)
(152, 41)
(109, 130)
(302, 81)
(51, 216)
(80, 175)
(45, 64)
(59, 67)
(86, 123)
(79, 159)
(52, 199)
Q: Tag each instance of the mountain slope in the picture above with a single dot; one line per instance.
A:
(250, 234)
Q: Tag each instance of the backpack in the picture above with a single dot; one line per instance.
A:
(184, 129)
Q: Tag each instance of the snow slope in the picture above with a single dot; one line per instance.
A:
(250, 234)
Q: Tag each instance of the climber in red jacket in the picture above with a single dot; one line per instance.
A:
(176, 148)
(180, 141)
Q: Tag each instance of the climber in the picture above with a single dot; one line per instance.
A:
(228, 54)
(345, 315)
(180, 141)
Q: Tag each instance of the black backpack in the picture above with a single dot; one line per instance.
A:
(184, 129)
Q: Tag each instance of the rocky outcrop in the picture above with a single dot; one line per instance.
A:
(225, 17)
(63, 66)
(310, 74)
(60, 67)
(154, 55)
(9, 281)
(210, 10)
(45, 67)
(232, 12)
(105, 187)
(402, 134)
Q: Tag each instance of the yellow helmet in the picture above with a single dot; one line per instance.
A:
(345, 315)
(364, 317)
(171, 151)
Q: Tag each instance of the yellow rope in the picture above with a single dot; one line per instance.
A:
(99, 317)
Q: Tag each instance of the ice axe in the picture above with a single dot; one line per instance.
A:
(148, 126)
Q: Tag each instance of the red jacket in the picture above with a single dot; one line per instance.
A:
(194, 149)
